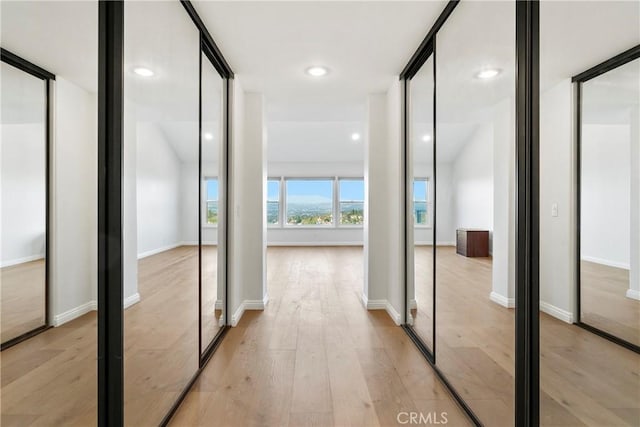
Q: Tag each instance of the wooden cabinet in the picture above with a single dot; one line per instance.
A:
(472, 243)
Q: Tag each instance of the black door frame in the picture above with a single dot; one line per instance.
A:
(28, 67)
(527, 370)
(110, 204)
(605, 66)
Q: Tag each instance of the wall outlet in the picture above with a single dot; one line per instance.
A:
(554, 209)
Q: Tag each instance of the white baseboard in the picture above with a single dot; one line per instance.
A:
(609, 263)
(158, 250)
(22, 260)
(74, 313)
(218, 304)
(382, 304)
(248, 304)
(130, 300)
(315, 243)
(413, 304)
(502, 300)
(556, 312)
(633, 294)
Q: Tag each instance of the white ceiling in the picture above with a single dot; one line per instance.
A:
(365, 44)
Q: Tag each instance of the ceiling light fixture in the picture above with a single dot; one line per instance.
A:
(426, 138)
(143, 72)
(355, 136)
(208, 136)
(317, 71)
(488, 73)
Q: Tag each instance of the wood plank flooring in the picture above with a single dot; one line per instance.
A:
(585, 380)
(315, 356)
(604, 303)
(23, 298)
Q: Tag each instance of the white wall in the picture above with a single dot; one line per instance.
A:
(472, 182)
(557, 187)
(158, 175)
(23, 192)
(247, 222)
(384, 200)
(634, 273)
(73, 202)
(606, 206)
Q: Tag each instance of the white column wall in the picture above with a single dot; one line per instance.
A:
(634, 272)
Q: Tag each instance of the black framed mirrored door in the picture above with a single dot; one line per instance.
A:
(420, 187)
(24, 195)
(213, 197)
(608, 262)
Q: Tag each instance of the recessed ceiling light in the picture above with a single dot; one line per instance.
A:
(488, 73)
(208, 136)
(317, 71)
(144, 72)
(355, 136)
(426, 138)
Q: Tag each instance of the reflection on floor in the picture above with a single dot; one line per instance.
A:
(604, 302)
(315, 356)
(50, 379)
(23, 298)
(422, 308)
(585, 379)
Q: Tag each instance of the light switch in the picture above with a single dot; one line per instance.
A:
(554, 209)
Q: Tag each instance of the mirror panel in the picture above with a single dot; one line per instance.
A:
(609, 194)
(421, 197)
(23, 192)
(213, 184)
(475, 176)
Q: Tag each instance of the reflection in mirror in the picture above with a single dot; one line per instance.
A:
(212, 232)
(161, 208)
(609, 199)
(475, 164)
(421, 198)
(23, 185)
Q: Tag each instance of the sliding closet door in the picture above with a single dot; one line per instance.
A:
(421, 187)
(475, 164)
(212, 204)
(23, 192)
(161, 207)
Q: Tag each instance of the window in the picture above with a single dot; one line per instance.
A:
(211, 201)
(309, 202)
(351, 201)
(273, 202)
(421, 209)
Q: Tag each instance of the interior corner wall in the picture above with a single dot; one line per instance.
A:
(384, 198)
(557, 186)
(74, 185)
(247, 204)
(158, 177)
(503, 238)
(472, 181)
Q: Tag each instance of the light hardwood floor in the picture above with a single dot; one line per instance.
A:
(22, 295)
(585, 379)
(50, 379)
(315, 356)
(604, 302)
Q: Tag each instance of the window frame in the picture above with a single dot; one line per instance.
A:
(428, 201)
(285, 223)
(204, 200)
(338, 199)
